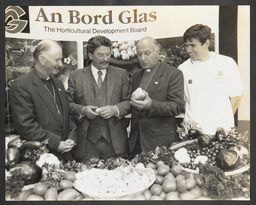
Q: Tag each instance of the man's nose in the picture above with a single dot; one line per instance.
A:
(60, 63)
(142, 57)
(105, 57)
(188, 49)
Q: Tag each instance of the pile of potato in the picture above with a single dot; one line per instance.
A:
(124, 50)
(67, 192)
(173, 184)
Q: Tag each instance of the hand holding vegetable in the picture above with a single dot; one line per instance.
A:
(144, 104)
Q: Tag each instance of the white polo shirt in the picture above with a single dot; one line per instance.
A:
(207, 88)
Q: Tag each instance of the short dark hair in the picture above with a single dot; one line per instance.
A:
(44, 45)
(97, 41)
(198, 31)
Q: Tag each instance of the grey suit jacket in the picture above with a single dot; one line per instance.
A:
(118, 93)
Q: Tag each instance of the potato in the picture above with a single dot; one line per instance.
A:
(173, 195)
(197, 192)
(68, 194)
(51, 194)
(159, 179)
(181, 185)
(147, 194)
(169, 185)
(34, 197)
(155, 197)
(187, 196)
(66, 184)
(162, 195)
(80, 197)
(40, 189)
(170, 176)
(163, 170)
(191, 183)
(70, 175)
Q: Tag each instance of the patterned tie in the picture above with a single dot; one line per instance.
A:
(99, 79)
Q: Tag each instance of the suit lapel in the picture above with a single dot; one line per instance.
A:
(111, 79)
(155, 81)
(45, 95)
(87, 82)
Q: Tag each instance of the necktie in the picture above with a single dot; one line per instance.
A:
(99, 79)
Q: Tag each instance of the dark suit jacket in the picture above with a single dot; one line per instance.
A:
(157, 127)
(34, 113)
(118, 93)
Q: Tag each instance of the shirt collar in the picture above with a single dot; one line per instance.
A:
(95, 71)
(212, 55)
(41, 75)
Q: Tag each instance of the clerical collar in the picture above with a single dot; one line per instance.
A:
(41, 75)
(153, 68)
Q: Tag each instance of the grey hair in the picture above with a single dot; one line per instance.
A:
(44, 45)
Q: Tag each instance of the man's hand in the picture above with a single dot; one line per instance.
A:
(142, 104)
(64, 146)
(107, 112)
(89, 111)
(70, 142)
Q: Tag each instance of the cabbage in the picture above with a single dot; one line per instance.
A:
(228, 159)
(30, 172)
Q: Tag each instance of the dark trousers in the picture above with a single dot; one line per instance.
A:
(101, 149)
(136, 150)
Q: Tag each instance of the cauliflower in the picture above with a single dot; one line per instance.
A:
(48, 159)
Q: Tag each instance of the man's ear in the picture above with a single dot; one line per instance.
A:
(207, 43)
(41, 59)
(90, 55)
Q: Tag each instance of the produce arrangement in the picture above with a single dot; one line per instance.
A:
(197, 167)
(124, 50)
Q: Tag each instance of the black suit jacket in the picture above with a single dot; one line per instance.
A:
(34, 113)
(157, 127)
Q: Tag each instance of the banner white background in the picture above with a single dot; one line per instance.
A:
(60, 22)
